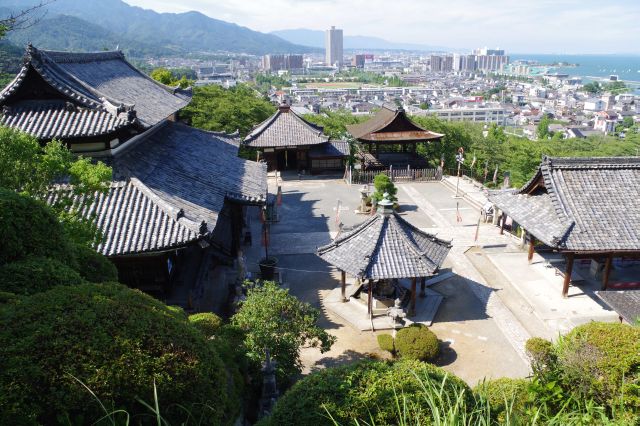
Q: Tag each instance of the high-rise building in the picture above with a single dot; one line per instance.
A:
(359, 60)
(333, 47)
(282, 62)
(441, 63)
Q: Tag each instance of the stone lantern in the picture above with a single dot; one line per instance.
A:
(397, 315)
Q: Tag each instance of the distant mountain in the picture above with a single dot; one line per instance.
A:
(315, 38)
(111, 22)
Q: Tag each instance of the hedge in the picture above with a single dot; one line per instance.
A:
(365, 391)
(36, 274)
(208, 323)
(385, 341)
(29, 228)
(93, 266)
(602, 361)
(117, 341)
(417, 342)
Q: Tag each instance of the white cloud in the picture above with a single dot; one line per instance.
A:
(566, 26)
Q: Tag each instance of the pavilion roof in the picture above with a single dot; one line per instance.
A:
(390, 124)
(285, 128)
(579, 204)
(385, 247)
(102, 81)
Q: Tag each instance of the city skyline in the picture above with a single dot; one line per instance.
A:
(544, 26)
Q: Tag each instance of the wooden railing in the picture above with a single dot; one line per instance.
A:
(360, 177)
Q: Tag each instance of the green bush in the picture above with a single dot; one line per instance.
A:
(542, 355)
(383, 184)
(601, 361)
(93, 266)
(118, 342)
(385, 341)
(363, 391)
(36, 274)
(505, 394)
(29, 228)
(208, 323)
(417, 342)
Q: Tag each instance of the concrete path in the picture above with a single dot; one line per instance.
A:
(492, 301)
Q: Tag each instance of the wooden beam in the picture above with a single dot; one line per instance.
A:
(422, 286)
(412, 304)
(343, 282)
(532, 245)
(503, 219)
(607, 271)
(370, 298)
(567, 275)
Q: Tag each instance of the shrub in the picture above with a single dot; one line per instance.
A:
(271, 318)
(385, 341)
(542, 355)
(36, 274)
(208, 323)
(117, 341)
(417, 342)
(601, 361)
(363, 391)
(383, 184)
(505, 395)
(93, 266)
(29, 228)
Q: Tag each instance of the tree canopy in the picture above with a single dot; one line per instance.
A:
(276, 321)
(239, 108)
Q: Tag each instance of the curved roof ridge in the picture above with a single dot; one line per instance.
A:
(348, 235)
(101, 97)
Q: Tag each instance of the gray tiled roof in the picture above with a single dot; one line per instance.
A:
(134, 220)
(626, 303)
(285, 128)
(171, 188)
(330, 149)
(55, 119)
(103, 80)
(580, 204)
(194, 170)
(385, 247)
(392, 121)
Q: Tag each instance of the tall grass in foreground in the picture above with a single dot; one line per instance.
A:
(438, 407)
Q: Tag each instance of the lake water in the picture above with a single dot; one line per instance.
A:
(626, 67)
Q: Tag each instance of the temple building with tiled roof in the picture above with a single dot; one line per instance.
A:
(584, 208)
(286, 141)
(95, 102)
(176, 206)
(391, 139)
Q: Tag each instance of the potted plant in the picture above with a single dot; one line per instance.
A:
(268, 267)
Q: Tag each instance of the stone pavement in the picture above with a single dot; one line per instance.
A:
(489, 307)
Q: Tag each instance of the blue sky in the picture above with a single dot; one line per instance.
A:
(520, 26)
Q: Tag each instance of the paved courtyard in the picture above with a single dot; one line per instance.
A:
(483, 320)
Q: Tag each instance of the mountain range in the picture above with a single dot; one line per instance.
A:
(106, 24)
(315, 38)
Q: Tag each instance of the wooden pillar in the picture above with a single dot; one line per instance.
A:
(532, 245)
(422, 286)
(343, 282)
(412, 304)
(567, 275)
(503, 219)
(370, 298)
(607, 271)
